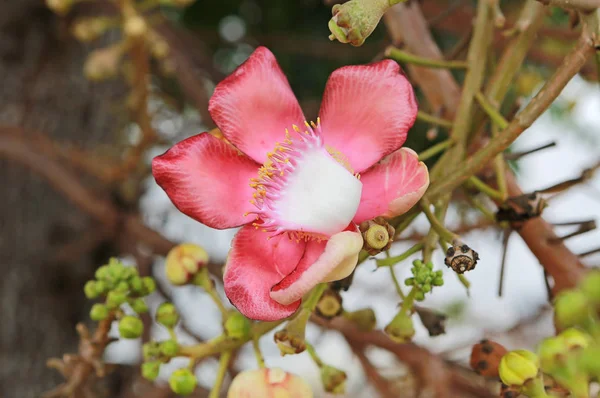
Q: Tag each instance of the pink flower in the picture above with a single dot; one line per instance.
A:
(299, 210)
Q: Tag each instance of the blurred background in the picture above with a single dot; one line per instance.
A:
(81, 118)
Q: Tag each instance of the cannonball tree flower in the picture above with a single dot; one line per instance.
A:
(297, 189)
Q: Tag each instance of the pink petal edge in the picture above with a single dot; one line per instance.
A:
(208, 180)
(255, 264)
(323, 261)
(255, 104)
(392, 186)
(367, 111)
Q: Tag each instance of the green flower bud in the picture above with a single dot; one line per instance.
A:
(333, 379)
(409, 281)
(101, 287)
(182, 381)
(114, 299)
(167, 315)
(355, 20)
(150, 370)
(131, 327)
(139, 306)
(122, 287)
(129, 272)
(426, 288)
(551, 352)
(151, 350)
(364, 319)
(400, 329)
(116, 270)
(575, 338)
(149, 285)
(590, 286)
(102, 272)
(99, 312)
(136, 284)
(169, 348)
(183, 262)
(417, 263)
(518, 366)
(429, 265)
(438, 281)
(419, 295)
(237, 326)
(571, 308)
(588, 360)
(90, 290)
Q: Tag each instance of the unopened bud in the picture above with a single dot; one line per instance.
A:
(268, 383)
(182, 382)
(364, 319)
(329, 305)
(355, 20)
(183, 262)
(60, 7)
(131, 327)
(575, 339)
(135, 27)
(99, 312)
(149, 285)
(167, 315)
(333, 379)
(590, 286)
(90, 290)
(139, 306)
(518, 366)
(401, 328)
(114, 299)
(237, 326)
(150, 370)
(377, 235)
(103, 63)
(151, 350)
(571, 308)
(169, 348)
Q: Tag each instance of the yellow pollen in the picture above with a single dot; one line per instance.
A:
(340, 158)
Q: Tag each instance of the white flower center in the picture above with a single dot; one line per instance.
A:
(303, 188)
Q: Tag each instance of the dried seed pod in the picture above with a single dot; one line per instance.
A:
(519, 209)
(434, 322)
(485, 358)
(461, 258)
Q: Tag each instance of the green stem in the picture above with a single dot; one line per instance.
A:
(491, 111)
(403, 56)
(260, 359)
(313, 355)
(436, 224)
(217, 300)
(438, 121)
(388, 262)
(485, 188)
(409, 301)
(215, 392)
(396, 283)
(434, 150)
(481, 207)
(314, 296)
(500, 168)
(535, 388)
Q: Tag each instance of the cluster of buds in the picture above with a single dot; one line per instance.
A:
(268, 383)
(118, 284)
(579, 306)
(377, 234)
(424, 279)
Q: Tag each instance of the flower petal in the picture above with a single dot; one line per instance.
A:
(255, 104)
(323, 261)
(208, 180)
(392, 186)
(255, 264)
(367, 111)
